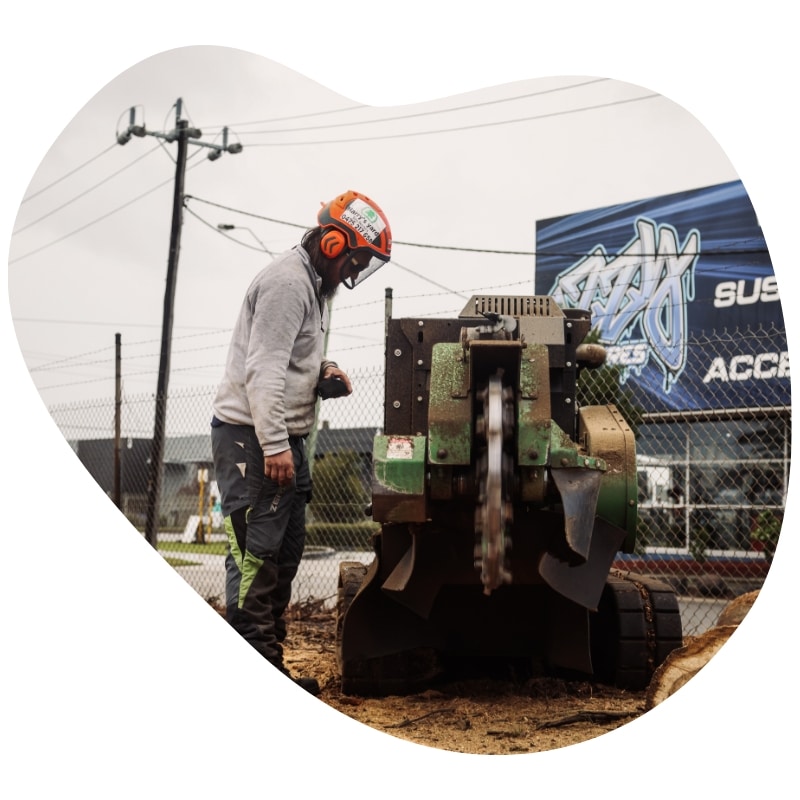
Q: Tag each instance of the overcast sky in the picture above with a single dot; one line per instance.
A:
(473, 171)
(726, 109)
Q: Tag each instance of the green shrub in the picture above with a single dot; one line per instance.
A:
(341, 535)
(766, 531)
(340, 494)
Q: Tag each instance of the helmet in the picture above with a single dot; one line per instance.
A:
(353, 222)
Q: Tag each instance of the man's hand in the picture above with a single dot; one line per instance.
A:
(280, 467)
(335, 372)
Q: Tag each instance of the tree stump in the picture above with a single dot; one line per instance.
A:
(682, 664)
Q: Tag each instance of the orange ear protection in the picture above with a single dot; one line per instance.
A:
(332, 243)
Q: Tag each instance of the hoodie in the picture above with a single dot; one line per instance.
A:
(275, 359)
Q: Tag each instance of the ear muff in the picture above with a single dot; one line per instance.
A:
(332, 243)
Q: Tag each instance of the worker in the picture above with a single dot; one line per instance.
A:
(265, 408)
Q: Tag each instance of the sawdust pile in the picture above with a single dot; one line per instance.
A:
(469, 716)
(496, 717)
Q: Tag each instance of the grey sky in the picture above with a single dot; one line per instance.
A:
(729, 85)
(469, 171)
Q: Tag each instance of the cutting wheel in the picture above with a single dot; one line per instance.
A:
(494, 511)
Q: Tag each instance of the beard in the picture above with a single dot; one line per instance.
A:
(328, 287)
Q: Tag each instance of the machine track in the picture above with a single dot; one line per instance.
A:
(637, 625)
(351, 576)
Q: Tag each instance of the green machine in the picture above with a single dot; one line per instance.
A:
(502, 506)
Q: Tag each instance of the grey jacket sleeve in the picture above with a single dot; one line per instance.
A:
(275, 347)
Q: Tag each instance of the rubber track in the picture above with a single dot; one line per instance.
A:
(351, 576)
(637, 626)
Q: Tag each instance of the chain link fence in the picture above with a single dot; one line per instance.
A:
(712, 485)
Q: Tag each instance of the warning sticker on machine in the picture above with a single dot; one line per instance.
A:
(400, 447)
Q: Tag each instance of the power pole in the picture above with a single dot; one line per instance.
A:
(182, 134)
(117, 419)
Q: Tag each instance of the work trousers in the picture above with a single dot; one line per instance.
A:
(265, 525)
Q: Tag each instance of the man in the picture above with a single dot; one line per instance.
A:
(266, 405)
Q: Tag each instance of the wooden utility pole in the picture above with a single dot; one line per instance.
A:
(117, 420)
(182, 134)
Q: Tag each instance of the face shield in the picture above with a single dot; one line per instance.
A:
(362, 264)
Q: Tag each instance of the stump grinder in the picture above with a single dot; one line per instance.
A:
(502, 505)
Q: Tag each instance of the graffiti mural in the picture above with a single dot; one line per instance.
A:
(657, 274)
(638, 297)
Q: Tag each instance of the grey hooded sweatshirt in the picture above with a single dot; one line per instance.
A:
(275, 358)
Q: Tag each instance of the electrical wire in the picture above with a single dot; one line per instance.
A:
(478, 125)
(433, 112)
(189, 197)
(395, 242)
(458, 249)
(410, 244)
(394, 262)
(97, 219)
(425, 278)
(88, 224)
(474, 126)
(481, 104)
(71, 361)
(292, 116)
(87, 191)
(400, 117)
(221, 232)
(68, 174)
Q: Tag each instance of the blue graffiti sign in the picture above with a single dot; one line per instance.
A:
(661, 274)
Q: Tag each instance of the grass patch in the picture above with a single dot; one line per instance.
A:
(210, 549)
(180, 562)
(341, 535)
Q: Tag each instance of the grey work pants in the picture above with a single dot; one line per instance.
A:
(265, 524)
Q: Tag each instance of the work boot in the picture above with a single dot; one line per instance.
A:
(311, 685)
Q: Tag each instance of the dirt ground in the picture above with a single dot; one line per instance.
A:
(471, 716)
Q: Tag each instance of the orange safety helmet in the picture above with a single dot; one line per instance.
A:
(352, 222)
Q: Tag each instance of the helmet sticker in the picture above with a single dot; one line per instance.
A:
(363, 218)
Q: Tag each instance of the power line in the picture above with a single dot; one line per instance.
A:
(71, 362)
(433, 112)
(481, 104)
(223, 231)
(548, 115)
(398, 242)
(339, 331)
(88, 224)
(395, 241)
(427, 279)
(87, 191)
(117, 324)
(132, 127)
(244, 213)
(128, 376)
(456, 248)
(394, 261)
(68, 174)
(299, 116)
(236, 124)
(99, 219)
